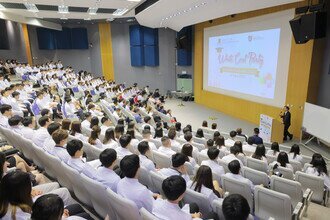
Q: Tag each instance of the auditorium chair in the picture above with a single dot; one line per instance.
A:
(147, 215)
(257, 177)
(191, 196)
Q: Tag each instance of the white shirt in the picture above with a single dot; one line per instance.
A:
(249, 148)
(313, 171)
(40, 136)
(147, 163)
(171, 171)
(82, 167)
(271, 153)
(241, 179)
(297, 158)
(271, 165)
(85, 124)
(174, 143)
(111, 144)
(108, 177)
(229, 142)
(131, 189)
(230, 157)
(4, 121)
(81, 137)
(61, 153)
(166, 210)
(205, 191)
(152, 146)
(152, 129)
(49, 144)
(215, 167)
(166, 150)
(27, 132)
(122, 152)
(192, 161)
(20, 215)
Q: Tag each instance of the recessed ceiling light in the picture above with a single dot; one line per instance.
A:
(120, 12)
(63, 9)
(64, 18)
(87, 19)
(2, 7)
(92, 10)
(31, 7)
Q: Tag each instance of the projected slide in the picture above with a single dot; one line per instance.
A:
(244, 62)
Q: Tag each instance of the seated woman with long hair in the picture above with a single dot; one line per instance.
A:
(76, 131)
(203, 183)
(295, 153)
(187, 150)
(220, 144)
(94, 122)
(94, 138)
(134, 142)
(282, 160)
(259, 154)
(274, 149)
(319, 168)
(199, 133)
(109, 140)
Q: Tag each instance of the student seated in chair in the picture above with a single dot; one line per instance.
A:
(234, 151)
(124, 142)
(235, 206)
(166, 147)
(178, 167)
(144, 156)
(209, 143)
(174, 188)
(213, 154)
(130, 188)
(60, 138)
(105, 173)
(49, 143)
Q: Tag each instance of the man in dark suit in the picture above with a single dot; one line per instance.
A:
(256, 139)
(286, 116)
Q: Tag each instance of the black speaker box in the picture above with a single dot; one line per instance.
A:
(309, 26)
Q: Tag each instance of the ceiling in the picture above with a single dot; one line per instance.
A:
(174, 14)
(77, 9)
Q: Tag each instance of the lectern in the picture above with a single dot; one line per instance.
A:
(271, 129)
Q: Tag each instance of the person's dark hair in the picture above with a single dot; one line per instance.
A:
(53, 127)
(14, 94)
(104, 119)
(220, 141)
(204, 124)
(96, 131)
(120, 129)
(188, 136)
(234, 166)
(203, 177)
(15, 190)
(239, 131)
(48, 206)
(66, 123)
(143, 147)
(179, 159)
(214, 126)
(240, 146)
(275, 147)
(15, 120)
(187, 150)
(259, 152)
(109, 135)
(59, 135)
(4, 108)
(173, 187)
(44, 112)
(209, 143)
(146, 128)
(108, 157)
(319, 164)
(256, 131)
(178, 126)
(283, 159)
(75, 128)
(43, 120)
(171, 134)
(94, 121)
(159, 132)
(213, 153)
(234, 149)
(233, 134)
(189, 127)
(131, 132)
(124, 140)
(2, 163)
(129, 165)
(216, 135)
(146, 119)
(131, 125)
(27, 121)
(199, 133)
(73, 146)
(250, 140)
(121, 122)
(235, 206)
(295, 149)
(287, 108)
(87, 115)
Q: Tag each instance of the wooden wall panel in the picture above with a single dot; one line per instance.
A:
(106, 51)
(27, 43)
(298, 79)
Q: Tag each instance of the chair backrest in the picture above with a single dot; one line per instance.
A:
(217, 208)
(199, 140)
(257, 177)
(92, 152)
(271, 158)
(202, 157)
(286, 172)
(147, 215)
(224, 165)
(124, 208)
(306, 165)
(235, 186)
(199, 146)
(296, 165)
(271, 203)
(157, 181)
(86, 131)
(200, 199)
(225, 134)
(256, 164)
(315, 183)
(306, 159)
(79, 190)
(189, 168)
(144, 177)
(289, 187)
(161, 160)
(156, 142)
(98, 197)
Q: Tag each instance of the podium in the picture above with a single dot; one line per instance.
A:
(271, 130)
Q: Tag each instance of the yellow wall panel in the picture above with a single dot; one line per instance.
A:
(27, 43)
(106, 51)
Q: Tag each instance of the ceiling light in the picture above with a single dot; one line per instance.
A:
(134, 0)
(110, 19)
(2, 7)
(87, 19)
(64, 18)
(63, 9)
(92, 10)
(120, 12)
(31, 7)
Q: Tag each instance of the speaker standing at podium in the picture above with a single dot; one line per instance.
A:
(286, 116)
